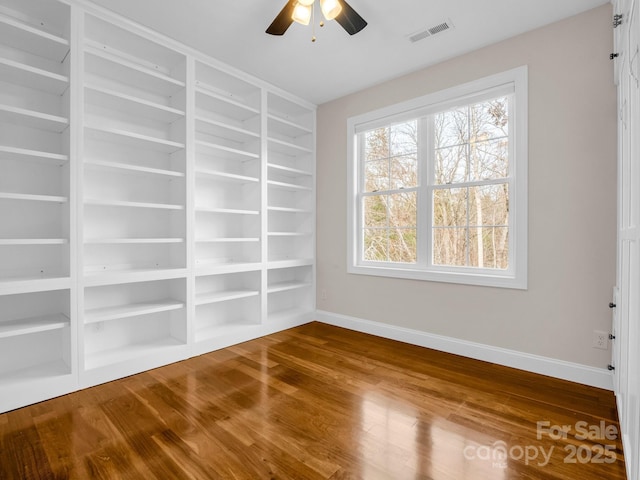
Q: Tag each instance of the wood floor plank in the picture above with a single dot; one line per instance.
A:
(318, 402)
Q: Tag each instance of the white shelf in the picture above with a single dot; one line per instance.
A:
(231, 211)
(228, 240)
(32, 155)
(132, 310)
(33, 119)
(228, 150)
(33, 284)
(286, 286)
(132, 169)
(131, 104)
(55, 370)
(288, 234)
(33, 241)
(128, 204)
(30, 39)
(287, 186)
(107, 64)
(33, 198)
(204, 269)
(291, 128)
(290, 263)
(208, 298)
(97, 278)
(240, 110)
(132, 241)
(27, 326)
(233, 132)
(232, 97)
(127, 137)
(32, 77)
(288, 148)
(130, 353)
(288, 210)
(294, 172)
(231, 177)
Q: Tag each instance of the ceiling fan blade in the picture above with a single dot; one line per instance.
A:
(283, 21)
(349, 19)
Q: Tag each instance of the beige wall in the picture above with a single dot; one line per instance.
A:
(572, 202)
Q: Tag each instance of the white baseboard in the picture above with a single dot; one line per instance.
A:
(573, 372)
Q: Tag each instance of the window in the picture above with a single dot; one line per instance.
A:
(438, 186)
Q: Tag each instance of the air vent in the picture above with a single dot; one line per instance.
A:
(428, 32)
(419, 36)
(439, 28)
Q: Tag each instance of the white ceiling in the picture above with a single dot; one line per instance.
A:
(233, 31)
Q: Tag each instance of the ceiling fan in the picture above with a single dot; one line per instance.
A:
(301, 11)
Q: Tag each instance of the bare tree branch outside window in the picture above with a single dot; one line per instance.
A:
(470, 194)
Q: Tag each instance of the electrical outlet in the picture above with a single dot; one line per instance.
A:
(600, 340)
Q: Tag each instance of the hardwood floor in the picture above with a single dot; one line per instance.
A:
(319, 402)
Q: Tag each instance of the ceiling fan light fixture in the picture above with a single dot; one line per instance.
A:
(330, 8)
(302, 13)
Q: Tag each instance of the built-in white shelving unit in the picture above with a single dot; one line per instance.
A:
(131, 324)
(225, 304)
(290, 208)
(155, 204)
(290, 179)
(228, 170)
(134, 202)
(290, 291)
(37, 352)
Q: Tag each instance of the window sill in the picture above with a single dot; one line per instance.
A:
(464, 277)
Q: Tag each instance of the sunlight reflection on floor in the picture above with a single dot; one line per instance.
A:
(395, 440)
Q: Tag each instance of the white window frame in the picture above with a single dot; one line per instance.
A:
(515, 83)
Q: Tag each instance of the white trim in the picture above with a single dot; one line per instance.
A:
(573, 372)
(500, 84)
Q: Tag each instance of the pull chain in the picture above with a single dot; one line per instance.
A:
(313, 21)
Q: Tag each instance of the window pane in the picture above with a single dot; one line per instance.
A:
(489, 205)
(376, 144)
(375, 211)
(451, 165)
(404, 172)
(489, 247)
(450, 207)
(403, 209)
(450, 246)
(451, 128)
(489, 160)
(402, 245)
(376, 175)
(490, 119)
(375, 245)
(403, 138)
(496, 247)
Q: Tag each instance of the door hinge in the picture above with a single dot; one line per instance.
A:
(612, 336)
(613, 55)
(617, 20)
(610, 367)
